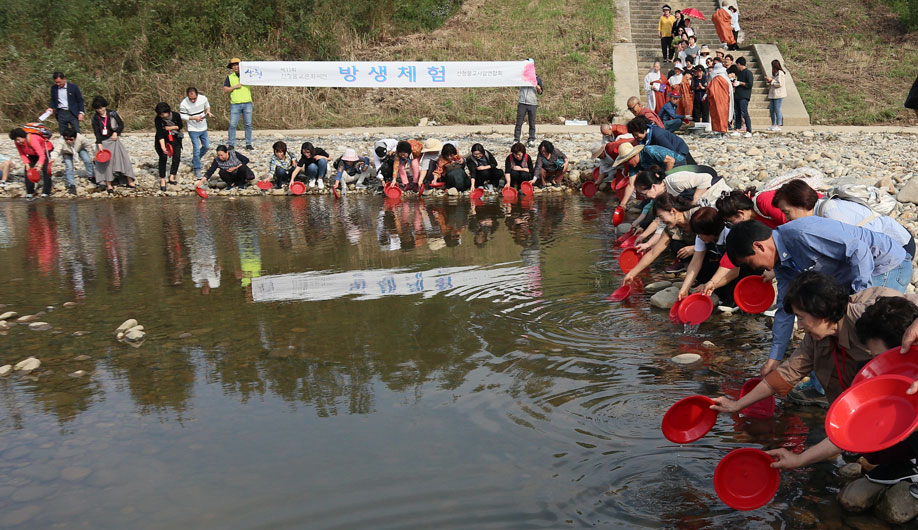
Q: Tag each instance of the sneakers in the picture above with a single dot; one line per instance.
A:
(231, 147)
(44, 195)
(321, 184)
(735, 133)
(28, 196)
(913, 490)
(747, 135)
(71, 189)
(894, 473)
(806, 396)
(249, 147)
(777, 127)
(2, 183)
(312, 183)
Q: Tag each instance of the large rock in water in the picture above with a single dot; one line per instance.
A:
(897, 505)
(909, 192)
(860, 495)
(665, 298)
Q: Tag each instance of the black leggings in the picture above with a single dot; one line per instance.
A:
(45, 176)
(176, 159)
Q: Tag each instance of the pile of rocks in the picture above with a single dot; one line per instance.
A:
(130, 332)
(893, 504)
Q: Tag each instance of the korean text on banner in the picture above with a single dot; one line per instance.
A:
(365, 74)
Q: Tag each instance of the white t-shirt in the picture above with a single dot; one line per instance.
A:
(187, 110)
(389, 143)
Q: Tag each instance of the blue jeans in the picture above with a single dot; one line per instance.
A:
(200, 143)
(235, 110)
(68, 166)
(774, 110)
(897, 279)
(317, 169)
(741, 113)
(672, 125)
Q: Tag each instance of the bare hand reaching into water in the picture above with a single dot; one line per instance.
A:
(725, 404)
(785, 459)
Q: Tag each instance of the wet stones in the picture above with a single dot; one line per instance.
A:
(686, 358)
(665, 298)
(860, 495)
(656, 287)
(8, 315)
(27, 365)
(75, 473)
(39, 326)
(897, 505)
(130, 332)
(25, 319)
(6, 369)
(851, 471)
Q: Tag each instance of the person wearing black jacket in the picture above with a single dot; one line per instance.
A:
(742, 93)
(483, 168)
(66, 103)
(648, 134)
(700, 109)
(233, 166)
(168, 142)
(518, 167)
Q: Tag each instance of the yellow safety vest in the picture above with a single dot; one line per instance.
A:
(240, 95)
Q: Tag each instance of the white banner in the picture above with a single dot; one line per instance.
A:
(366, 74)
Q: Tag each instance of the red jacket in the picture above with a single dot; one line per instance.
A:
(34, 146)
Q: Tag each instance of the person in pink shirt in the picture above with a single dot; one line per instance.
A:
(34, 153)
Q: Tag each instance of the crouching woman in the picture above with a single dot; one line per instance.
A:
(842, 334)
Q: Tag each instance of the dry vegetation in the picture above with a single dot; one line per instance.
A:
(852, 60)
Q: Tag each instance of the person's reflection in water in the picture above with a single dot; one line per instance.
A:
(205, 269)
(7, 226)
(452, 219)
(483, 222)
(249, 248)
(173, 238)
(77, 256)
(42, 249)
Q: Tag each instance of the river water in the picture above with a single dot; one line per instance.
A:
(357, 364)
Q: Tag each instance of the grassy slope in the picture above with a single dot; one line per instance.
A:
(570, 42)
(853, 62)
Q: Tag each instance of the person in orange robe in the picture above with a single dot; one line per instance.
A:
(722, 23)
(687, 101)
(720, 98)
(662, 95)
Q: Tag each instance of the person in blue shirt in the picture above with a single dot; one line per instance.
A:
(649, 134)
(856, 257)
(672, 120)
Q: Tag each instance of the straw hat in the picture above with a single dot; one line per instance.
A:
(612, 147)
(705, 49)
(627, 152)
(432, 145)
(349, 155)
(597, 148)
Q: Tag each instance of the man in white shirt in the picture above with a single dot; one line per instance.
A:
(195, 109)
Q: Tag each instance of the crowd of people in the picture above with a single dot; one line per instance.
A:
(706, 88)
(841, 268)
(408, 164)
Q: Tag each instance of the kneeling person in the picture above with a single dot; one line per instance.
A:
(233, 166)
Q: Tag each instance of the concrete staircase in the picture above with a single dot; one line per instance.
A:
(645, 14)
